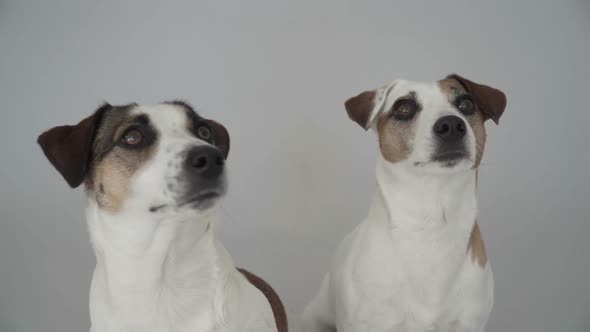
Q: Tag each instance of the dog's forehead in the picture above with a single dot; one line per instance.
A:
(165, 117)
(425, 92)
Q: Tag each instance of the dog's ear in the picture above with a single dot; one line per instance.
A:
(220, 136)
(363, 108)
(491, 102)
(68, 148)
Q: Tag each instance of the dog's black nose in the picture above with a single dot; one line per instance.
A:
(450, 128)
(205, 161)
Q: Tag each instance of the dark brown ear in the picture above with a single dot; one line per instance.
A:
(363, 108)
(359, 108)
(491, 102)
(68, 148)
(220, 136)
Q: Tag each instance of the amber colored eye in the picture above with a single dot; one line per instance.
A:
(204, 132)
(132, 137)
(466, 107)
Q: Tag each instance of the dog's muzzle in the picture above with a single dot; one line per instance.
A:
(450, 131)
(204, 169)
(205, 162)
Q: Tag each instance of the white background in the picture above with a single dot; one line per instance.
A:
(276, 73)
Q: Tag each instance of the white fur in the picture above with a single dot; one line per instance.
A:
(406, 266)
(166, 271)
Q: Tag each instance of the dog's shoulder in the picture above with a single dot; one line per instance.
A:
(273, 298)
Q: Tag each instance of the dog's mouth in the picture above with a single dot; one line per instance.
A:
(201, 200)
(449, 156)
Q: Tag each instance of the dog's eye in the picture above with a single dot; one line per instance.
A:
(132, 137)
(204, 132)
(466, 106)
(404, 109)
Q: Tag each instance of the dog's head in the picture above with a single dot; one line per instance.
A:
(157, 159)
(429, 127)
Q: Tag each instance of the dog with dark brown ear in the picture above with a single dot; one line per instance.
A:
(154, 177)
(417, 262)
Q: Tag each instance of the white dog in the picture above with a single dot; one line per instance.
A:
(154, 176)
(417, 262)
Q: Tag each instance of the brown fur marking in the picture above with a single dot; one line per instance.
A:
(68, 147)
(491, 102)
(453, 88)
(359, 108)
(273, 299)
(113, 166)
(395, 137)
(476, 247)
(219, 135)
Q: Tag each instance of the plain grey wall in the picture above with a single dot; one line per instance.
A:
(276, 73)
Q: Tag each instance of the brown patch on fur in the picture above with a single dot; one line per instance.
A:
(476, 122)
(490, 101)
(219, 135)
(113, 166)
(273, 298)
(395, 137)
(453, 88)
(476, 246)
(68, 148)
(359, 108)
(114, 173)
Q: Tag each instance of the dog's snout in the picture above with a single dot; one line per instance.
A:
(450, 128)
(206, 161)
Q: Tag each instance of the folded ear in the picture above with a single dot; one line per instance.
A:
(363, 108)
(491, 102)
(220, 136)
(68, 148)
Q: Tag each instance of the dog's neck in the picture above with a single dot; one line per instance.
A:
(416, 202)
(148, 268)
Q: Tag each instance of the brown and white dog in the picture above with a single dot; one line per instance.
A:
(417, 262)
(154, 176)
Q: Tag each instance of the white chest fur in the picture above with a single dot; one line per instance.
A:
(406, 267)
(174, 278)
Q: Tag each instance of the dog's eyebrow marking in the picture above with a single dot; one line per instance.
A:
(458, 94)
(411, 96)
(142, 119)
(181, 103)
